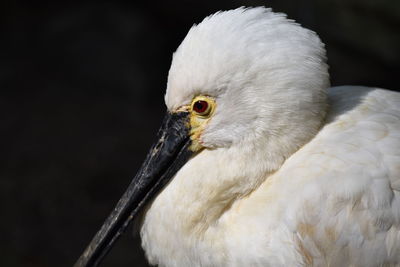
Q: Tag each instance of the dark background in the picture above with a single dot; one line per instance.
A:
(81, 97)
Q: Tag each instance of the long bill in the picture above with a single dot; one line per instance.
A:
(164, 159)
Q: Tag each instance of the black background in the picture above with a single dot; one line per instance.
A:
(81, 98)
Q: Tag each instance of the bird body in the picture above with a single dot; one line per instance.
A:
(334, 202)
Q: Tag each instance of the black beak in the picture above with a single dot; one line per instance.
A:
(165, 158)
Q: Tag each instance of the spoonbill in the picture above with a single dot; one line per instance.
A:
(259, 162)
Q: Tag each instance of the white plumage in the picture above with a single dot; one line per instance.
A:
(292, 173)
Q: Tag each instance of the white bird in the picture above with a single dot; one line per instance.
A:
(284, 170)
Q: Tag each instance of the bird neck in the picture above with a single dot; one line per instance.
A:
(207, 186)
(187, 213)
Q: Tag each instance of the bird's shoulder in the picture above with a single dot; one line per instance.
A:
(361, 134)
(345, 183)
(360, 138)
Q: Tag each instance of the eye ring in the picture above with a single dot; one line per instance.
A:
(201, 107)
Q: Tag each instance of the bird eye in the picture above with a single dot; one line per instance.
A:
(201, 107)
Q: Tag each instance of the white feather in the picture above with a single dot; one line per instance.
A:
(293, 174)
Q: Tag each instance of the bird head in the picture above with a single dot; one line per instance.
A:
(261, 75)
(244, 78)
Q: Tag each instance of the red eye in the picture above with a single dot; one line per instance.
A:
(201, 107)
